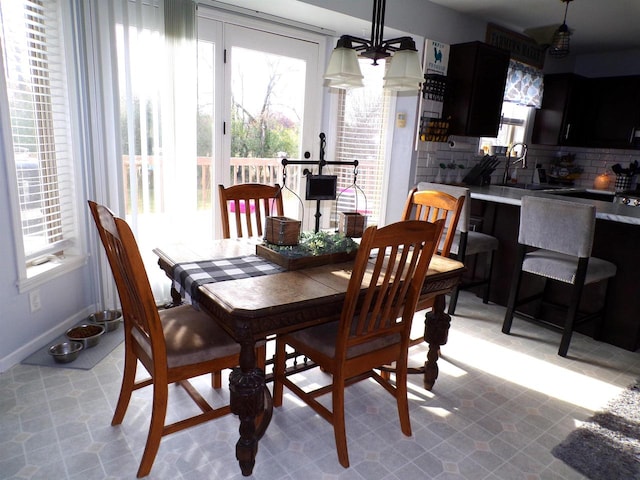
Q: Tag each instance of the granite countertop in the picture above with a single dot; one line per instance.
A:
(604, 210)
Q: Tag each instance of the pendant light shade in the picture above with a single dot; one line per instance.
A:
(345, 84)
(405, 69)
(405, 72)
(559, 47)
(343, 70)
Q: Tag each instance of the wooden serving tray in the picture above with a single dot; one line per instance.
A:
(296, 262)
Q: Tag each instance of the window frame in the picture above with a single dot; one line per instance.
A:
(335, 111)
(510, 124)
(33, 272)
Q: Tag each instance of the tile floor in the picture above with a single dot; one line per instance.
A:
(499, 406)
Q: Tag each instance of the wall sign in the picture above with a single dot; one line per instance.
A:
(436, 57)
(522, 48)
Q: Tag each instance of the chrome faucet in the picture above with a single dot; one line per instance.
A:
(522, 158)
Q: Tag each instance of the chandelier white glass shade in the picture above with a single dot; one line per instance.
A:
(404, 71)
(343, 70)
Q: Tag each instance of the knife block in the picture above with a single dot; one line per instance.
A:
(480, 174)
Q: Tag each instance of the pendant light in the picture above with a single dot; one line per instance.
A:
(559, 47)
(404, 72)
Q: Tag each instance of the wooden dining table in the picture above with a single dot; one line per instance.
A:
(252, 309)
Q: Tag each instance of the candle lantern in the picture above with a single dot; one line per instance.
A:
(602, 182)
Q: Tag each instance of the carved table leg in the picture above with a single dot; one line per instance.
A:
(176, 299)
(436, 332)
(247, 387)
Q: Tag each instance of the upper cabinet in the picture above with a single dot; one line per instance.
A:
(563, 117)
(615, 105)
(476, 78)
(589, 112)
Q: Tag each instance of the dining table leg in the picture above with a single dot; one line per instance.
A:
(247, 398)
(436, 333)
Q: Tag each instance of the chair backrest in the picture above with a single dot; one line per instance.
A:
(557, 225)
(432, 205)
(139, 310)
(465, 215)
(250, 204)
(393, 280)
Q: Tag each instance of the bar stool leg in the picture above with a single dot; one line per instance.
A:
(574, 303)
(487, 288)
(515, 288)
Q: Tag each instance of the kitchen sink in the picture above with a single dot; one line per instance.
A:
(531, 186)
(586, 194)
(565, 191)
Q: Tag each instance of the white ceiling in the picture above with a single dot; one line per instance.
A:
(597, 25)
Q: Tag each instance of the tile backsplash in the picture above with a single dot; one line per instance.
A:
(465, 151)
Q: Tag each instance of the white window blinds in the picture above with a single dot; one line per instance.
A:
(361, 133)
(35, 74)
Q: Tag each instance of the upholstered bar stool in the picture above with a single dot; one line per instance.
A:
(562, 232)
(467, 243)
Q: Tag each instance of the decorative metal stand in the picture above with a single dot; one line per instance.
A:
(320, 163)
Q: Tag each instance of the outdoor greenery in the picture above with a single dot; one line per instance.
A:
(263, 136)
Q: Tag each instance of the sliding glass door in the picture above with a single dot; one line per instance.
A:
(257, 103)
(219, 101)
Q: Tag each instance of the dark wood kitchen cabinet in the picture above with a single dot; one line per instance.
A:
(589, 112)
(615, 111)
(563, 118)
(476, 78)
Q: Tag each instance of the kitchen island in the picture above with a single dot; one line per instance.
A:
(617, 239)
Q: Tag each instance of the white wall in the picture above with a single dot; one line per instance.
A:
(610, 64)
(65, 300)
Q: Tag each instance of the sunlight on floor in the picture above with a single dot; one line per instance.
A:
(530, 372)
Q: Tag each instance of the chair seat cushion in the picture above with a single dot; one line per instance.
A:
(323, 339)
(191, 337)
(477, 242)
(559, 266)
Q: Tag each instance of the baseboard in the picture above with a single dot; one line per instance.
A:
(27, 349)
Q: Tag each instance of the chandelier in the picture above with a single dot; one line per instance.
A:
(404, 71)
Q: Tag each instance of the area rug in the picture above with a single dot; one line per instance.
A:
(607, 446)
(87, 359)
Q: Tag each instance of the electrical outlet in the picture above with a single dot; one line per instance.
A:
(34, 300)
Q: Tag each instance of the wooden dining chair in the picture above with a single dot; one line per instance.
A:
(173, 345)
(468, 244)
(373, 329)
(249, 205)
(432, 205)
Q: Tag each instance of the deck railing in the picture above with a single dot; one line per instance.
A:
(253, 170)
(241, 170)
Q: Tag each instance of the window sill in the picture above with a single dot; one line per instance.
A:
(37, 275)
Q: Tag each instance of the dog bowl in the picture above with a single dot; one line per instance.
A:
(88, 334)
(65, 352)
(109, 319)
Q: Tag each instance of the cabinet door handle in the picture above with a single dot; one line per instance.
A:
(566, 135)
(633, 132)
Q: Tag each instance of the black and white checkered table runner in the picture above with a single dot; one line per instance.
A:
(188, 276)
